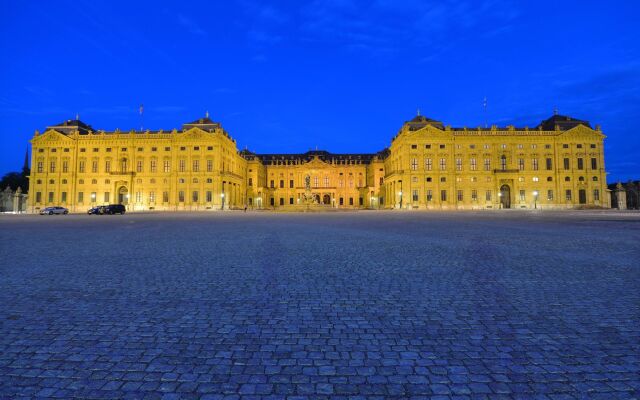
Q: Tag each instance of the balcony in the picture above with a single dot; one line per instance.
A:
(506, 171)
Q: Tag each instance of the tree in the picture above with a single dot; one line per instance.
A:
(15, 180)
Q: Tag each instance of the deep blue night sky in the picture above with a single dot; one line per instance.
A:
(341, 75)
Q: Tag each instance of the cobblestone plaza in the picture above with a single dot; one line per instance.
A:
(344, 305)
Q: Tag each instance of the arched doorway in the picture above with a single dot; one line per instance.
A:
(123, 195)
(505, 196)
(316, 198)
(326, 199)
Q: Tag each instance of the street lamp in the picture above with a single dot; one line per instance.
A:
(500, 199)
(222, 196)
(535, 199)
(400, 193)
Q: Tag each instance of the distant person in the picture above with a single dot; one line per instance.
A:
(245, 208)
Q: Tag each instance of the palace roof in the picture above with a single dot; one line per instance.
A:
(323, 155)
(562, 122)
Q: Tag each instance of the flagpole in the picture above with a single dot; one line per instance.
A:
(141, 117)
(484, 106)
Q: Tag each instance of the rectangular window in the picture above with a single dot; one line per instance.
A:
(429, 195)
(443, 195)
(521, 164)
(40, 166)
(415, 195)
(350, 201)
(80, 197)
(503, 163)
(194, 196)
(63, 197)
(154, 165)
(550, 195)
(474, 195)
(568, 194)
(65, 166)
(250, 182)
(272, 184)
(281, 201)
(196, 165)
(428, 164)
(414, 164)
(52, 166)
(93, 197)
(487, 195)
(165, 197)
(139, 166)
(38, 197)
(152, 197)
(291, 200)
(565, 162)
(209, 165)
(487, 164)
(107, 166)
(443, 164)
(474, 164)
(106, 197)
(596, 194)
(181, 196)
(50, 197)
(534, 164)
(281, 183)
(458, 164)
(167, 166)
(549, 164)
(209, 196)
(594, 163)
(580, 163)
(181, 165)
(460, 195)
(94, 166)
(81, 166)
(138, 197)
(291, 182)
(522, 195)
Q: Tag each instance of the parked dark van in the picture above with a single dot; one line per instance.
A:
(114, 209)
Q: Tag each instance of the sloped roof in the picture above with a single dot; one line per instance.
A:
(420, 121)
(562, 121)
(71, 125)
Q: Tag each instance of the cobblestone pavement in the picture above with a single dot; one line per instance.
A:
(374, 305)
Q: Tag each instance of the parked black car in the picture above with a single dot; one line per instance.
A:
(114, 209)
(99, 210)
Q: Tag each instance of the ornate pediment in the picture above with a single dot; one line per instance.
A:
(196, 134)
(316, 162)
(582, 132)
(51, 136)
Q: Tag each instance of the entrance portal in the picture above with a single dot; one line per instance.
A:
(123, 195)
(326, 199)
(505, 196)
(582, 196)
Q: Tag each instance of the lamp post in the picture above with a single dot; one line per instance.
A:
(535, 199)
(222, 196)
(400, 193)
(500, 199)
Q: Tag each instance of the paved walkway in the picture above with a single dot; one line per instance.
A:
(469, 305)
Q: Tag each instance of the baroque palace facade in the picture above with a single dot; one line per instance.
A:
(557, 164)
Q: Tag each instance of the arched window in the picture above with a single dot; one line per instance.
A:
(595, 179)
(567, 179)
(549, 179)
(581, 179)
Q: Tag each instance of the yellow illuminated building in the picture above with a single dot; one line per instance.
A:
(557, 164)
